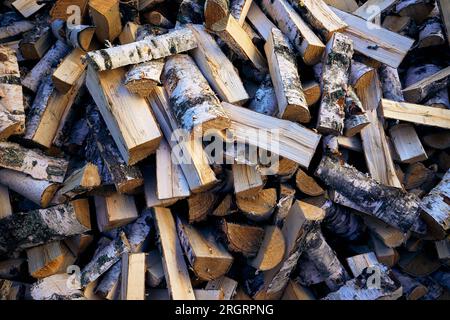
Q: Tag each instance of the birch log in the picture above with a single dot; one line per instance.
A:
(335, 76)
(296, 30)
(55, 288)
(11, 25)
(391, 85)
(194, 104)
(437, 207)
(394, 206)
(145, 50)
(216, 10)
(80, 36)
(283, 68)
(12, 116)
(43, 67)
(355, 116)
(32, 162)
(25, 230)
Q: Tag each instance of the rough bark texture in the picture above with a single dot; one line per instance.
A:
(391, 85)
(191, 11)
(335, 75)
(139, 231)
(56, 287)
(25, 230)
(265, 99)
(355, 116)
(145, 50)
(109, 281)
(342, 222)
(425, 92)
(394, 206)
(45, 65)
(104, 259)
(192, 99)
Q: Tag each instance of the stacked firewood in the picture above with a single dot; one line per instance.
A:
(329, 121)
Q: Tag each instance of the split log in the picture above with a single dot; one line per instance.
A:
(36, 42)
(71, 69)
(358, 263)
(312, 92)
(360, 75)
(293, 141)
(319, 263)
(347, 6)
(175, 269)
(141, 78)
(237, 40)
(412, 289)
(295, 291)
(133, 276)
(32, 162)
(40, 192)
(48, 110)
(106, 18)
(391, 85)
(174, 188)
(208, 258)
(62, 10)
(258, 207)
(320, 16)
(158, 19)
(444, 9)
(247, 180)
(285, 78)
(108, 286)
(225, 207)
(356, 118)
(374, 42)
(128, 117)
(12, 116)
(55, 288)
(217, 69)
(155, 271)
(5, 202)
(352, 143)
(372, 9)
(259, 21)
(191, 11)
(193, 161)
(376, 149)
(145, 50)
(430, 32)
(335, 75)
(416, 9)
(78, 244)
(239, 9)
(79, 182)
(126, 178)
(242, 238)
(227, 285)
(265, 100)
(19, 231)
(27, 7)
(417, 175)
(424, 88)
(401, 25)
(200, 205)
(390, 236)
(80, 36)
(12, 25)
(394, 206)
(296, 30)
(363, 288)
(105, 258)
(435, 205)
(286, 199)
(215, 11)
(194, 104)
(418, 264)
(407, 143)
(301, 219)
(49, 259)
(443, 248)
(307, 184)
(271, 251)
(45, 65)
(128, 34)
(114, 211)
(416, 113)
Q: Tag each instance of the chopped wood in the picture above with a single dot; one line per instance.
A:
(416, 113)
(145, 50)
(226, 285)
(418, 264)
(55, 288)
(69, 71)
(154, 267)
(5, 202)
(259, 21)
(443, 248)
(312, 92)
(358, 263)
(200, 205)
(416, 9)
(440, 140)
(215, 11)
(295, 291)
(128, 34)
(377, 43)
(61, 9)
(35, 43)
(175, 269)
(347, 6)
(271, 251)
(258, 207)
(285, 78)
(444, 9)
(106, 18)
(158, 19)
(135, 142)
(427, 86)
(352, 143)
(247, 180)
(133, 276)
(320, 16)
(239, 9)
(208, 258)
(412, 289)
(55, 223)
(242, 238)
(237, 39)
(390, 236)
(307, 184)
(372, 8)
(13, 27)
(356, 118)
(391, 85)
(49, 259)
(217, 69)
(407, 143)
(394, 206)
(114, 211)
(12, 116)
(296, 30)
(27, 7)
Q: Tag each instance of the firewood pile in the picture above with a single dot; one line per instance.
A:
(218, 150)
